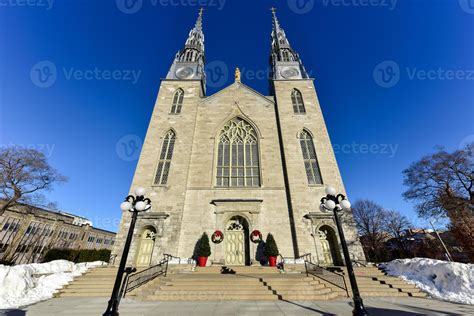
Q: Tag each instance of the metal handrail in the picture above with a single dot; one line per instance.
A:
(112, 260)
(326, 275)
(137, 279)
(168, 256)
(357, 262)
(303, 256)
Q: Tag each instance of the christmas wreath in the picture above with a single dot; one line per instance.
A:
(256, 236)
(217, 237)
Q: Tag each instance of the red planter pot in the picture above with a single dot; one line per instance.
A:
(272, 260)
(202, 261)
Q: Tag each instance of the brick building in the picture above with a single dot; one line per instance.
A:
(27, 232)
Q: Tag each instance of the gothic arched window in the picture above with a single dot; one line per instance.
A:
(166, 155)
(237, 155)
(310, 159)
(177, 101)
(297, 100)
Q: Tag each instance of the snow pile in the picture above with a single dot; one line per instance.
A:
(30, 283)
(450, 281)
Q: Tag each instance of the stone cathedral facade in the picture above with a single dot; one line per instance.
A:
(236, 161)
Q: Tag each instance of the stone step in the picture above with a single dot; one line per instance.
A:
(211, 297)
(90, 286)
(88, 294)
(212, 292)
(309, 297)
(296, 286)
(86, 290)
(238, 270)
(388, 294)
(212, 289)
(304, 292)
(94, 281)
(210, 282)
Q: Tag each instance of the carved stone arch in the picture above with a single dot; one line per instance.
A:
(329, 223)
(171, 129)
(304, 129)
(229, 216)
(237, 113)
(330, 243)
(144, 227)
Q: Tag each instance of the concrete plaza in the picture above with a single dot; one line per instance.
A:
(376, 306)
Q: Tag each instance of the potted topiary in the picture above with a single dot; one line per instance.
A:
(271, 250)
(204, 250)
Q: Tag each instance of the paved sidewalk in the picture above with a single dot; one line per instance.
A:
(385, 306)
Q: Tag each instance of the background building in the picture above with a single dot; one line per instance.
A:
(28, 232)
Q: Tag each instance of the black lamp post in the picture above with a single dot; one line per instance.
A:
(134, 204)
(338, 203)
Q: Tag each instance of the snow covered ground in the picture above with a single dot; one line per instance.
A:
(30, 283)
(450, 281)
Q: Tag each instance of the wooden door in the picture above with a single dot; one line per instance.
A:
(235, 248)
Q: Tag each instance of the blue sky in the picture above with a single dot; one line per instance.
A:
(394, 80)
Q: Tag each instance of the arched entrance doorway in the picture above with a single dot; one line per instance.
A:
(237, 242)
(147, 243)
(330, 246)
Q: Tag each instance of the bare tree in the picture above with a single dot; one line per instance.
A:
(442, 184)
(441, 175)
(396, 225)
(24, 174)
(369, 219)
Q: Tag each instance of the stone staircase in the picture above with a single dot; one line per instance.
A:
(248, 283)
(97, 282)
(373, 282)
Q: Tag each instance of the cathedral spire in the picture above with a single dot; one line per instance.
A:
(189, 62)
(285, 62)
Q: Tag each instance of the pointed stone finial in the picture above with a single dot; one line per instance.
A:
(237, 74)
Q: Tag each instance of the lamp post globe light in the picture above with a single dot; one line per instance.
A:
(133, 204)
(337, 203)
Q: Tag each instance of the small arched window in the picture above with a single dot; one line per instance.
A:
(177, 101)
(237, 155)
(311, 164)
(297, 100)
(166, 155)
